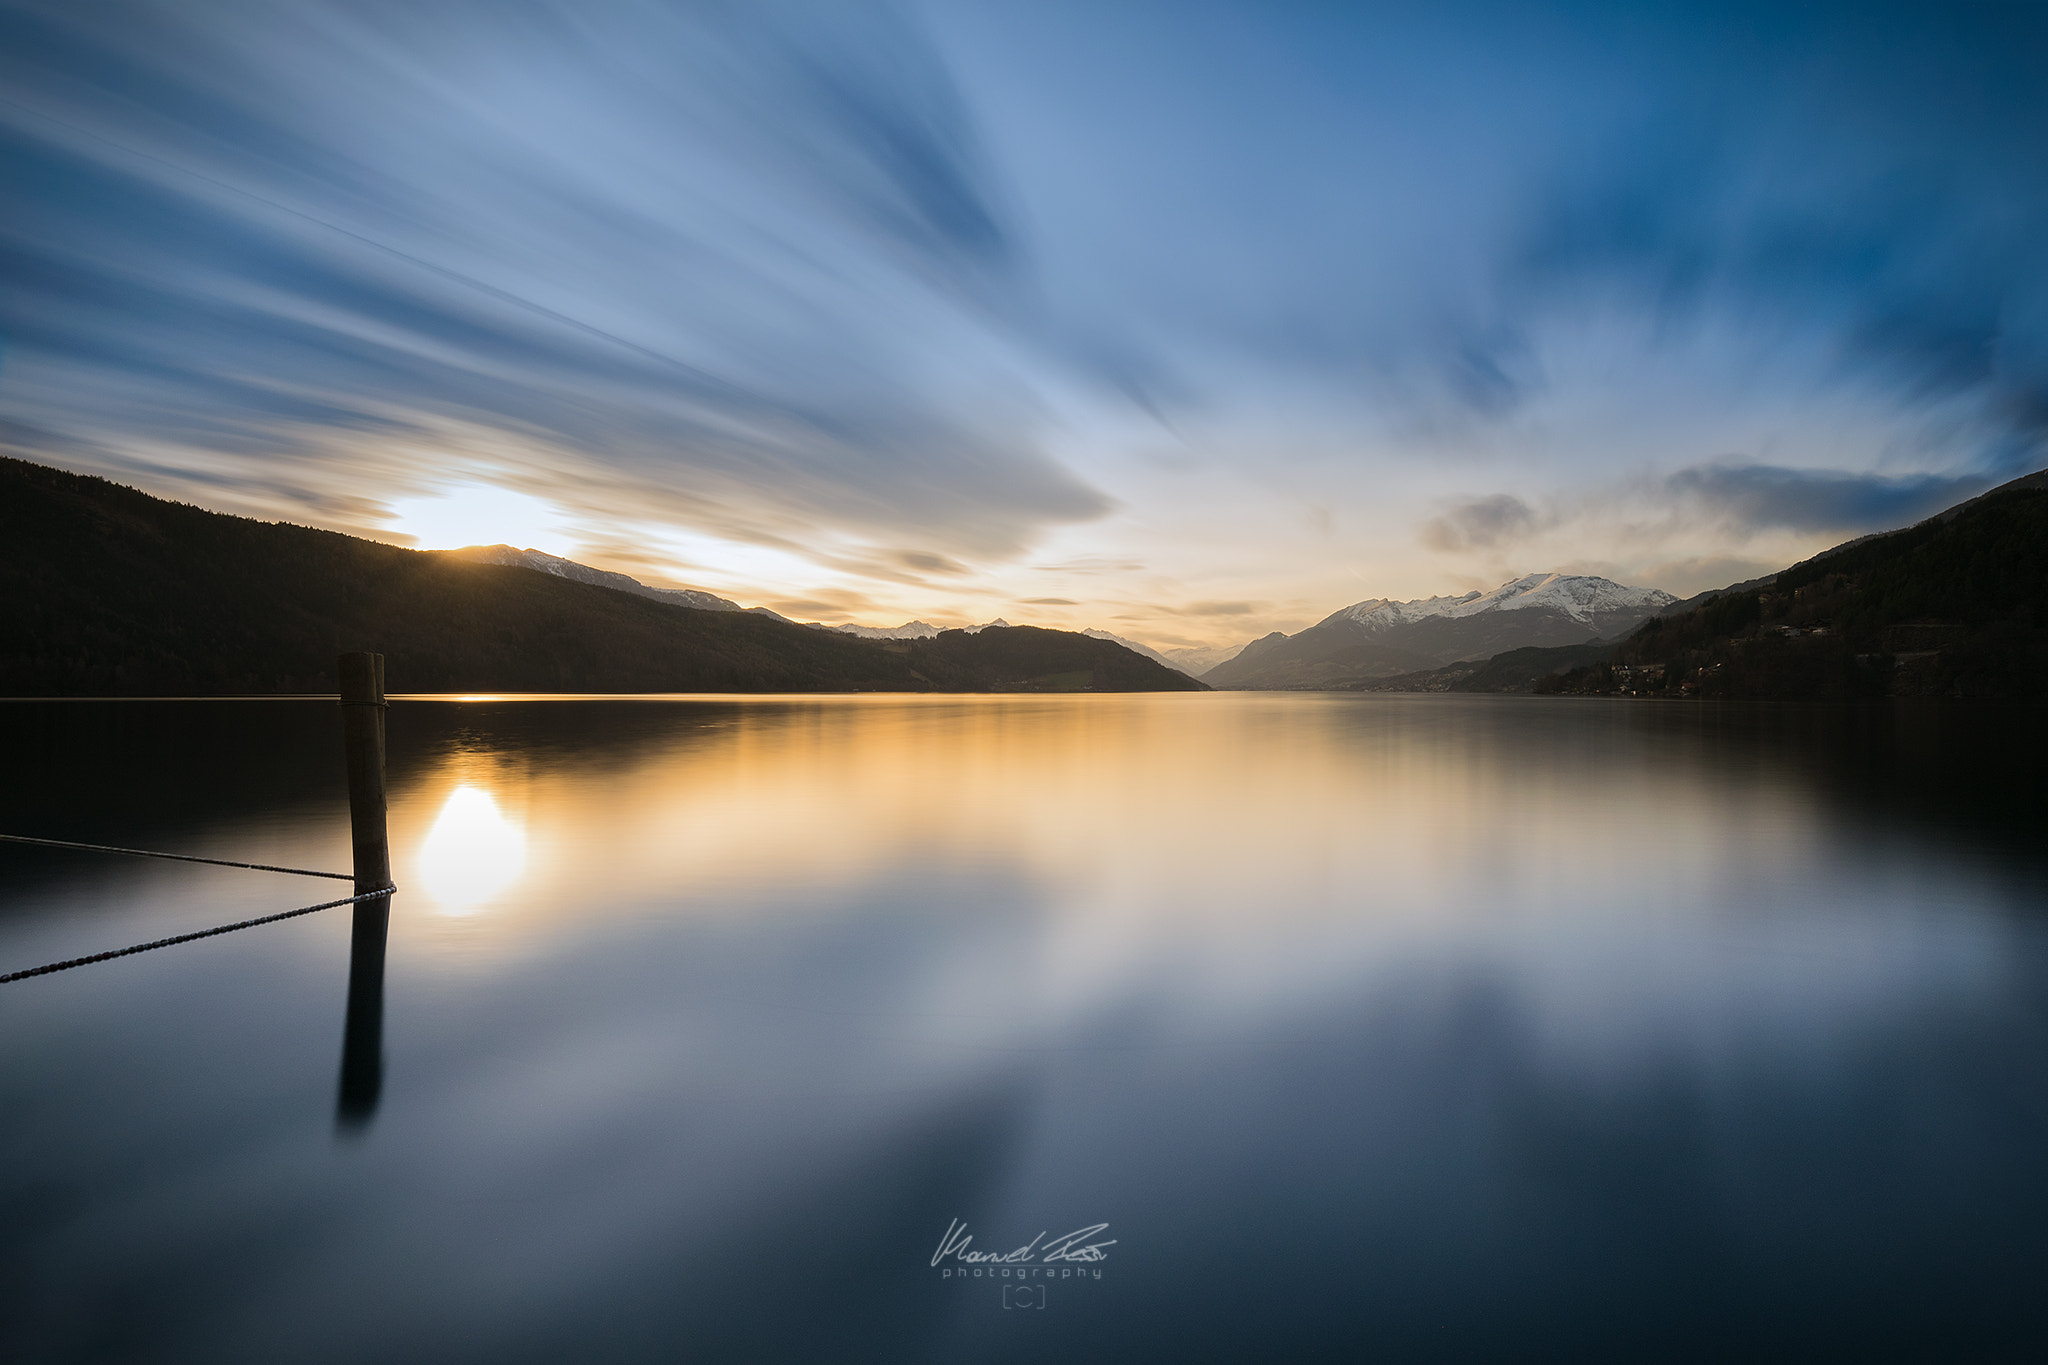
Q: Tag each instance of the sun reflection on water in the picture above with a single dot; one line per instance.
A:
(1222, 855)
(472, 854)
(1134, 826)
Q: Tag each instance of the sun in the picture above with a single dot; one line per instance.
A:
(481, 514)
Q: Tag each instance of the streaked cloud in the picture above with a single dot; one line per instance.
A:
(925, 562)
(1092, 565)
(1756, 496)
(1214, 316)
(1206, 608)
(717, 253)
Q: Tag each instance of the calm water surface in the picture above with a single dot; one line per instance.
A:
(1373, 1028)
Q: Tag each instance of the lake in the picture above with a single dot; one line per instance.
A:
(1258, 1026)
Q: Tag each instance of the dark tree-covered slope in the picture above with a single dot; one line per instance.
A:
(107, 591)
(1516, 670)
(1030, 659)
(1956, 606)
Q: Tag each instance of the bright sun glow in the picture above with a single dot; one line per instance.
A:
(482, 514)
(472, 853)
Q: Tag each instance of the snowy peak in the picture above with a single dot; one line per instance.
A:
(1581, 597)
(1584, 598)
(1380, 638)
(1137, 648)
(1380, 612)
(1195, 660)
(909, 630)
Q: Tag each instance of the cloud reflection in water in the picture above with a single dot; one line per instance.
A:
(1346, 838)
(1463, 1026)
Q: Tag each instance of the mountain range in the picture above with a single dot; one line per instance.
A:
(924, 630)
(1955, 606)
(1379, 638)
(542, 562)
(106, 591)
(1196, 660)
(1189, 661)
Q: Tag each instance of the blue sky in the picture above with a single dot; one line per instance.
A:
(1188, 320)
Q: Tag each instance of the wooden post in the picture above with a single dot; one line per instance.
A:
(362, 729)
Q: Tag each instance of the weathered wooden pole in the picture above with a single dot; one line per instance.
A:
(362, 730)
(362, 733)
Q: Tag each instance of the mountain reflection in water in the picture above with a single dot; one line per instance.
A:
(1424, 1027)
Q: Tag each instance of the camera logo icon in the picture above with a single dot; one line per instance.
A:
(1024, 1295)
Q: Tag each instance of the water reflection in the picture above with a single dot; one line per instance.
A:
(1269, 847)
(362, 1047)
(472, 854)
(1460, 1027)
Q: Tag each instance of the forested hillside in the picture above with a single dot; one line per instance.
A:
(1954, 607)
(106, 591)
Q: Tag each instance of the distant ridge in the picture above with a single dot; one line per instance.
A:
(1196, 660)
(1145, 650)
(909, 630)
(106, 591)
(1953, 606)
(924, 630)
(542, 562)
(1381, 638)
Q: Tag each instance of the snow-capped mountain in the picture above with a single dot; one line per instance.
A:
(1199, 659)
(1137, 648)
(1193, 661)
(1379, 638)
(1585, 599)
(909, 630)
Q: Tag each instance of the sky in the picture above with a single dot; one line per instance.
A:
(1187, 320)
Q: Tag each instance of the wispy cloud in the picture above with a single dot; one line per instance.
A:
(721, 250)
(1480, 524)
(1760, 496)
(906, 303)
(1207, 608)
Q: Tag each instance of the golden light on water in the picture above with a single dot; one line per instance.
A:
(472, 854)
(1229, 856)
(1126, 829)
